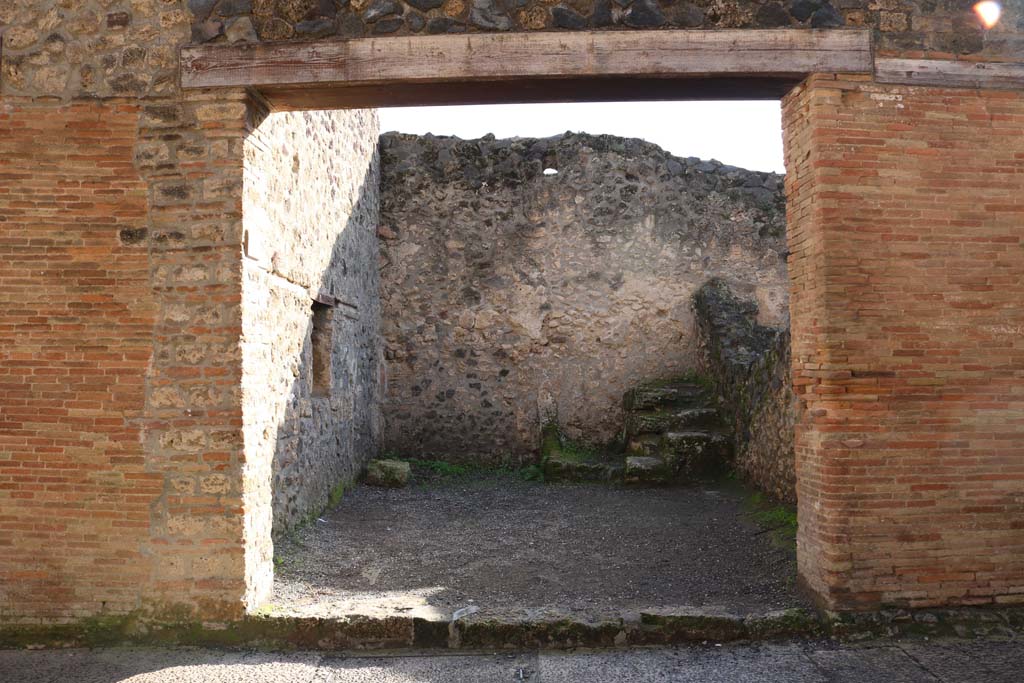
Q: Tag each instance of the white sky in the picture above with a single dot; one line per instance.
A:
(745, 134)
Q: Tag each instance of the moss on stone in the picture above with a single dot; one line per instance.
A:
(573, 451)
(695, 626)
(271, 631)
(550, 441)
(790, 623)
(97, 631)
(335, 496)
(388, 473)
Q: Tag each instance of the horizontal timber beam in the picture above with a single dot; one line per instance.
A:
(298, 98)
(950, 73)
(551, 66)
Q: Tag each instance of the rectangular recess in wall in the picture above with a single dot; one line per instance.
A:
(322, 342)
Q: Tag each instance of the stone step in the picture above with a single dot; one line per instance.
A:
(648, 470)
(430, 629)
(673, 419)
(674, 394)
(644, 445)
(575, 464)
(561, 469)
(695, 454)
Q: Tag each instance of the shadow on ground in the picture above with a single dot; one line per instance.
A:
(513, 548)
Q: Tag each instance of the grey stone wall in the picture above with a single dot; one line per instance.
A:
(525, 278)
(750, 366)
(311, 211)
(944, 26)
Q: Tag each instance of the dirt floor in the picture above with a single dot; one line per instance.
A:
(505, 546)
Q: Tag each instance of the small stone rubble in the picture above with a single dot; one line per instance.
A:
(391, 474)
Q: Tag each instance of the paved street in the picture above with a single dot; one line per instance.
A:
(959, 662)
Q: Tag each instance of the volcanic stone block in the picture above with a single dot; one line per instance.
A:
(657, 421)
(682, 394)
(645, 470)
(695, 454)
(392, 474)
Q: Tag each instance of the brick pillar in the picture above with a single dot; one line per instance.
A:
(124, 488)
(906, 220)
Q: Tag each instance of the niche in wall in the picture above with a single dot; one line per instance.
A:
(322, 343)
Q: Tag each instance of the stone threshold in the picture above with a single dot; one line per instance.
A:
(677, 626)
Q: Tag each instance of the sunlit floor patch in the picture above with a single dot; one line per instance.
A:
(498, 546)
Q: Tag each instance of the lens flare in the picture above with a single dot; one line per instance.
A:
(988, 12)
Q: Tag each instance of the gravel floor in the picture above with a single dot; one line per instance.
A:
(510, 547)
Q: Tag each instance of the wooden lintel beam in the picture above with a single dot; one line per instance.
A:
(488, 57)
(301, 98)
(950, 73)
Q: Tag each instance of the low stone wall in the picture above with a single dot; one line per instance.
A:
(311, 389)
(750, 366)
(525, 278)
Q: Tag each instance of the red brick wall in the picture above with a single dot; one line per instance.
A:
(906, 214)
(76, 319)
(121, 456)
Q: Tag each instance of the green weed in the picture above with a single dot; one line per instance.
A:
(442, 468)
(531, 473)
(779, 519)
(335, 496)
(578, 452)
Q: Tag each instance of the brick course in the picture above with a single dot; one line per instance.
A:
(120, 441)
(905, 207)
(75, 324)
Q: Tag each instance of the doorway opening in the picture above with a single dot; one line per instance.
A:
(553, 332)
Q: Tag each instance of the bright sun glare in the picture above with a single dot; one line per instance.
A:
(988, 12)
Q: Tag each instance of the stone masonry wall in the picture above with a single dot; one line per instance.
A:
(946, 27)
(512, 293)
(750, 366)
(310, 207)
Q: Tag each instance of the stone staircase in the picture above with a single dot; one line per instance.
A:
(673, 434)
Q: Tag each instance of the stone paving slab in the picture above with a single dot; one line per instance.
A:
(820, 662)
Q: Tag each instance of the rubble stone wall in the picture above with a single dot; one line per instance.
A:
(901, 26)
(529, 278)
(749, 364)
(310, 218)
